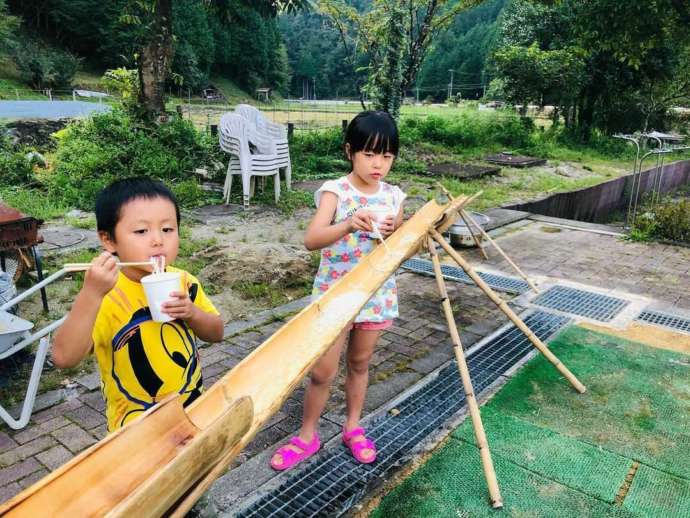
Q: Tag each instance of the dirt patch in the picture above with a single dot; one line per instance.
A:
(244, 278)
(464, 171)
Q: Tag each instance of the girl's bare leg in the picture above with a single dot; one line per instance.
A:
(359, 352)
(318, 390)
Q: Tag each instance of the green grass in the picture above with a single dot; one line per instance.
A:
(33, 202)
(559, 453)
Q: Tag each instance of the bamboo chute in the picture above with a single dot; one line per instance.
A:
(163, 461)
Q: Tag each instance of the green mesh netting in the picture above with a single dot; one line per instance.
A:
(658, 494)
(637, 402)
(451, 484)
(559, 453)
(576, 464)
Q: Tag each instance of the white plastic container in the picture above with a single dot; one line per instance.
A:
(158, 287)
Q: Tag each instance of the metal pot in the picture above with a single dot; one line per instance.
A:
(460, 235)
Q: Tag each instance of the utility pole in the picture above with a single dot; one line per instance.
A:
(450, 86)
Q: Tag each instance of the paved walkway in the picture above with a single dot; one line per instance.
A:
(68, 421)
(650, 269)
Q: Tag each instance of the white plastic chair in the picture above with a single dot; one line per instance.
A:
(235, 134)
(277, 132)
(17, 336)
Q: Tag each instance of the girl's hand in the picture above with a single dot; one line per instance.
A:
(361, 220)
(180, 307)
(386, 226)
(101, 276)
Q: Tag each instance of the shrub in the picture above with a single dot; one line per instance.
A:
(94, 152)
(43, 67)
(669, 219)
(468, 129)
(15, 167)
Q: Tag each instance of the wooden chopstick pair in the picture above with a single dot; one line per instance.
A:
(81, 267)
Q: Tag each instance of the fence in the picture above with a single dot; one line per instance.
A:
(298, 115)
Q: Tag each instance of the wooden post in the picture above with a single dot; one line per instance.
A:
(477, 241)
(179, 110)
(479, 434)
(508, 312)
(344, 124)
(291, 129)
(464, 214)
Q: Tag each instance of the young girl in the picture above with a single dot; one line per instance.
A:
(349, 211)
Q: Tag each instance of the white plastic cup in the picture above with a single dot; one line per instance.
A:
(158, 287)
(381, 213)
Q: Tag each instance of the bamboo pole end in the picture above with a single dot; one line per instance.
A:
(497, 504)
(580, 388)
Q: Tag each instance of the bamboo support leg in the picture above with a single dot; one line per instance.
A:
(503, 306)
(464, 215)
(480, 435)
(477, 241)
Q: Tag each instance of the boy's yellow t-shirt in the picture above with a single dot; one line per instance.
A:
(142, 361)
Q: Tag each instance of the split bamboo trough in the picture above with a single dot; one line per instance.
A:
(162, 462)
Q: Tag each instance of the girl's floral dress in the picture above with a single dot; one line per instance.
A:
(340, 257)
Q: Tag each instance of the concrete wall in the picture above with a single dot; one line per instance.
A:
(595, 204)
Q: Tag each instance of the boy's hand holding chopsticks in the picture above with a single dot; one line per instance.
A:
(101, 275)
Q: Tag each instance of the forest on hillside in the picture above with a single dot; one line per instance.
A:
(600, 63)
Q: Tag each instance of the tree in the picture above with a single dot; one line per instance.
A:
(625, 55)
(361, 33)
(155, 18)
(386, 75)
(464, 47)
(8, 24)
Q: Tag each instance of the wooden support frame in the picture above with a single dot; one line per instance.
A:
(503, 306)
(478, 426)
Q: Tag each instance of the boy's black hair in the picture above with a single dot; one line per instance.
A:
(111, 200)
(374, 131)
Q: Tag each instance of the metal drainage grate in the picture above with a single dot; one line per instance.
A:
(332, 483)
(581, 302)
(665, 319)
(498, 282)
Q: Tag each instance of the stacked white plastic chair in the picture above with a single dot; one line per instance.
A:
(277, 132)
(235, 135)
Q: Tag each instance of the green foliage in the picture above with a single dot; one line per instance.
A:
(605, 64)
(43, 67)
(15, 167)
(468, 129)
(669, 219)
(464, 47)
(8, 26)
(532, 75)
(35, 202)
(386, 65)
(125, 83)
(94, 152)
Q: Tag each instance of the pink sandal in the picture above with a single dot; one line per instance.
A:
(357, 447)
(291, 457)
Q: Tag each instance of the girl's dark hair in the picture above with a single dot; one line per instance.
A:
(372, 131)
(110, 200)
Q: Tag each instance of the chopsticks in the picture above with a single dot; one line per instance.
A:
(378, 235)
(81, 267)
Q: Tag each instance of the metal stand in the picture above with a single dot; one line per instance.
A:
(664, 146)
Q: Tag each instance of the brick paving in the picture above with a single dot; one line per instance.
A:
(415, 346)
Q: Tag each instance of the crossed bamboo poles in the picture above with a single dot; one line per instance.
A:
(433, 238)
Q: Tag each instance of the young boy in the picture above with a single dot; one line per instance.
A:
(140, 361)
